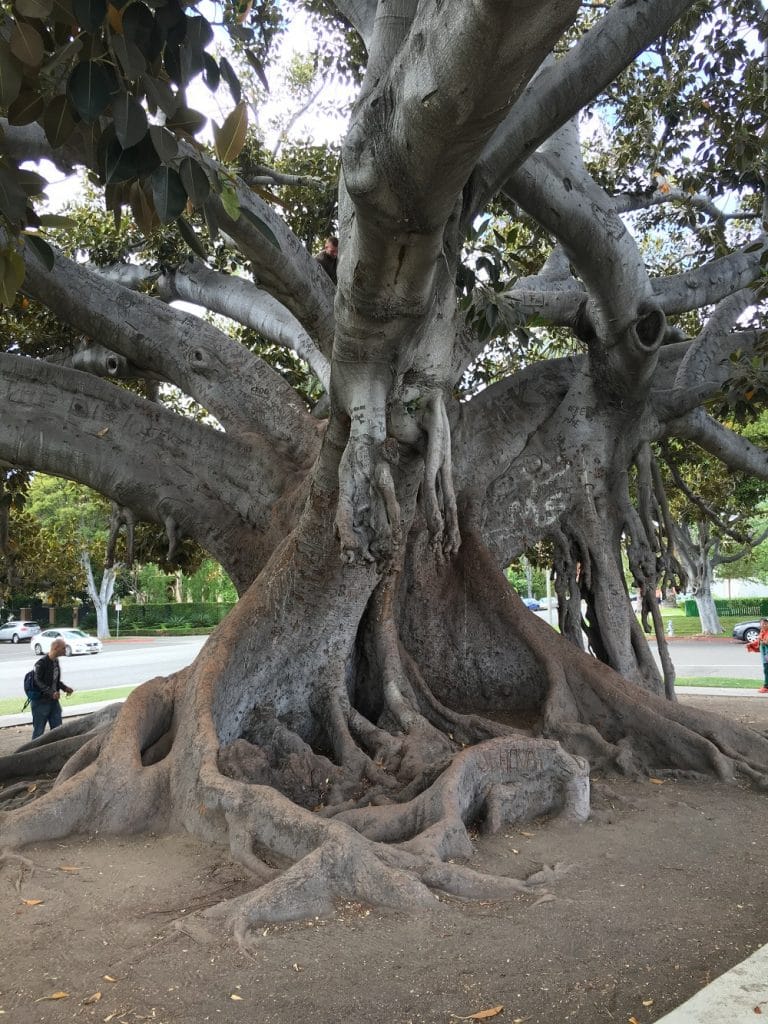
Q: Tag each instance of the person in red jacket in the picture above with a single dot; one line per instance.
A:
(46, 709)
(761, 645)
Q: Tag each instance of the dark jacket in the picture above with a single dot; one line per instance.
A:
(47, 678)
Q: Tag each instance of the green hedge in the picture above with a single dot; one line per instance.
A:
(152, 616)
(740, 607)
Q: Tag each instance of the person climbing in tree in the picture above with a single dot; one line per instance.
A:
(46, 709)
(761, 645)
(328, 258)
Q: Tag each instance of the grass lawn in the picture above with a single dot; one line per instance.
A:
(13, 705)
(725, 682)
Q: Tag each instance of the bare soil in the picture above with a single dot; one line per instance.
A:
(668, 889)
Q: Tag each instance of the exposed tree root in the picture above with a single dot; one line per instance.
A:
(51, 751)
(366, 794)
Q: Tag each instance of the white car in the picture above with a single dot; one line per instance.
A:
(76, 640)
(18, 632)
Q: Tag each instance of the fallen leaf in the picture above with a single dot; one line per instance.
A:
(657, 782)
(32, 788)
(108, 977)
(647, 1002)
(90, 1000)
(530, 835)
(236, 997)
(32, 903)
(103, 432)
(634, 1020)
(494, 1011)
(758, 1010)
(56, 995)
(68, 867)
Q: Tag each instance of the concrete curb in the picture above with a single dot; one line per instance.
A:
(25, 717)
(735, 996)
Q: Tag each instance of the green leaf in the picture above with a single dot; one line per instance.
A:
(130, 120)
(90, 88)
(58, 121)
(26, 108)
(261, 226)
(12, 276)
(195, 181)
(230, 202)
(188, 234)
(211, 220)
(10, 76)
(32, 182)
(34, 8)
(42, 250)
(26, 43)
(160, 95)
(89, 13)
(211, 73)
(257, 66)
(13, 199)
(186, 121)
(141, 29)
(230, 138)
(168, 193)
(164, 142)
(129, 57)
(229, 76)
(142, 208)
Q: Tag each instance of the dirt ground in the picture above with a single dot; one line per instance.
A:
(668, 889)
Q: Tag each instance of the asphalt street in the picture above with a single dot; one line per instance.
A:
(120, 663)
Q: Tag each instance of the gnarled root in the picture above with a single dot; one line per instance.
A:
(51, 751)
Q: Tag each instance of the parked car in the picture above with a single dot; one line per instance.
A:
(747, 631)
(532, 603)
(76, 640)
(18, 632)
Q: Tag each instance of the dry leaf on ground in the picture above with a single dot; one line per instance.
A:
(54, 995)
(493, 1011)
(90, 1000)
(68, 867)
(32, 903)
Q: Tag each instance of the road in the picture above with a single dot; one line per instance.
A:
(127, 662)
(121, 663)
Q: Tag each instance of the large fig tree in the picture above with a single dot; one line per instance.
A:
(379, 685)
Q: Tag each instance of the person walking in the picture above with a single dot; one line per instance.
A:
(46, 708)
(761, 645)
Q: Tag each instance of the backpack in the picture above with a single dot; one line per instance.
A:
(30, 689)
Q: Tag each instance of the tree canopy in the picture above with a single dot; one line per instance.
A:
(551, 261)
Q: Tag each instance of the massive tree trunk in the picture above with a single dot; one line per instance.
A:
(379, 685)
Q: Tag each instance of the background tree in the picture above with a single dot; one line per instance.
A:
(379, 684)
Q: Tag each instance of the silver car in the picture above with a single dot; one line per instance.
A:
(18, 632)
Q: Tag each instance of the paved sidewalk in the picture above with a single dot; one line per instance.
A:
(738, 995)
(25, 717)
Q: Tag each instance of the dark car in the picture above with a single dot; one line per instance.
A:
(747, 631)
(532, 603)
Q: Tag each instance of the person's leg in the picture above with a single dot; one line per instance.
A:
(40, 711)
(54, 716)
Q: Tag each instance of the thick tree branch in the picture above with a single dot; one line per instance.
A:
(237, 298)
(243, 392)
(360, 14)
(142, 456)
(730, 448)
(632, 202)
(622, 323)
(709, 283)
(562, 88)
(286, 270)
